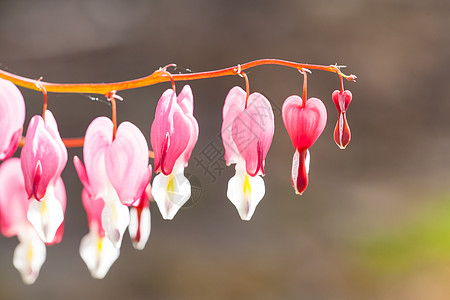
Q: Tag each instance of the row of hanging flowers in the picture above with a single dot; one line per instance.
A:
(116, 173)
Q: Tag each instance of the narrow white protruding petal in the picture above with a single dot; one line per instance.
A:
(245, 192)
(115, 220)
(144, 225)
(307, 161)
(29, 256)
(171, 193)
(46, 215)
(296, 161)
(98, 253)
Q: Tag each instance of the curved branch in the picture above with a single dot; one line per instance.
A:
(157, 77)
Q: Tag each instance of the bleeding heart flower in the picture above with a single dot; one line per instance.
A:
(12, 108)
(43, 158)
(117, 172)
(174, 134)
(304, 122)
(342, 133)
(14, 204)
(247, 135)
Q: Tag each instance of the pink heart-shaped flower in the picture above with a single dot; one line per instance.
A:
(174, 131)
(252, 133)
(304, 124)
(342, 133)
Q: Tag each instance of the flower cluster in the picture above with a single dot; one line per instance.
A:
(116, 174)
(32, 193)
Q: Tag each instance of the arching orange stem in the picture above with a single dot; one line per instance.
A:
(157, 77)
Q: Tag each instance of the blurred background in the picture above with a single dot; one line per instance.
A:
(374, 222)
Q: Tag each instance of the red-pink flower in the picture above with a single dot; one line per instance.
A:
(43, 158)
(174, 134)
(247, 135)
(304, 122)
(116, 172)
(14, 204)
(342, 133)
(12, 109)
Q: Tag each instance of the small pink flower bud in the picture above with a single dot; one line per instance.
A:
(342, 133)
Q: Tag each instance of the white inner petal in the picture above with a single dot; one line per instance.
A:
(341, 127)
(296, 165)
(115, 217)
(98, 253)
(46, 215)
(245, 192)
(29, 255)
(144, 227)
(307, 161)
(171, 192)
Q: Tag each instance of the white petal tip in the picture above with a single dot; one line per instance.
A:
(169, 211)
(170, 193)
(115, 220)
(29, 256)
(98, 253)
(245, 192)
(138, 246)
(246, 218)
(46, 216)
(139, 227)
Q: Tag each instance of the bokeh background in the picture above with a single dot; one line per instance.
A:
(374, 222)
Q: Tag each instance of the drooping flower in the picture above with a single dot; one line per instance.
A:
(43, 158)
(30, 254)
(12, 108)
(116, 172)
(304, 121)
(174, 134)
(247, 135)
(342, 133)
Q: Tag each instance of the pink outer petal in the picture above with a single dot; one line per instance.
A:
(304, 124)
(60, 193)
(14, 142)
(342, 99)
(81, 171)
(252, 132)
(12, 109)
(44, 155)
(186, 101)
(52, 127)
(13, 199)
(94, 208)
(171, 133)
(126, 161)
(98, 138)
(234, 104)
